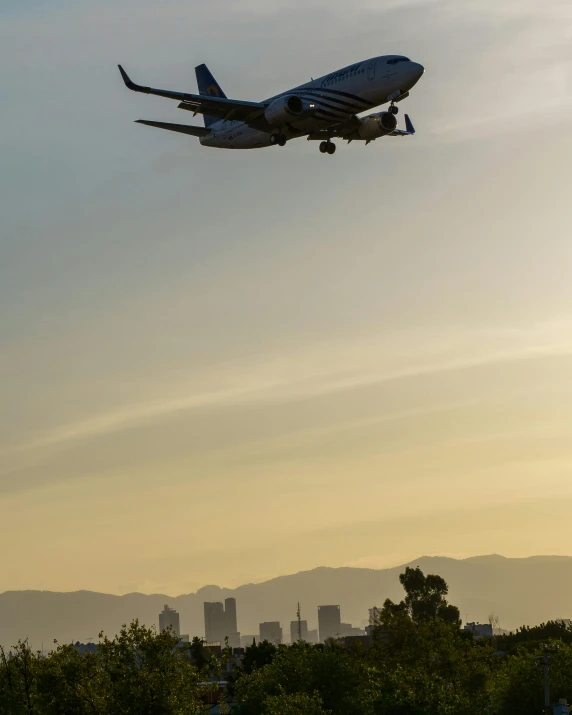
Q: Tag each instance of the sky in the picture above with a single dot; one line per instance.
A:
(219, 367)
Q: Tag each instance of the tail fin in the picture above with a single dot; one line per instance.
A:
(208, 85)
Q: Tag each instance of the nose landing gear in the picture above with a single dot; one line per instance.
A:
(327, 147)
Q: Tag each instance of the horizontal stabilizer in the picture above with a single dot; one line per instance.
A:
(409, 130)
(181, 128)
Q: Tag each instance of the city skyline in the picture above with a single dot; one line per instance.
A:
(477, 586)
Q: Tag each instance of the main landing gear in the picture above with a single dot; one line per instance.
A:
(393, 109)
(327, 147)
(279, 139)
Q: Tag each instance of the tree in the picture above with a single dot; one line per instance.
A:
(520, 679)
(201, 658)
(431, 667)
(258, 655)
(532, 636)
(421, 662)
(18, 671)
(296, 704)
(146, 672)
(68, 682)
(138, 671)
(424, 599)
(324, 678)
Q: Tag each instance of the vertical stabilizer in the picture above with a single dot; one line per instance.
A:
(208, 85)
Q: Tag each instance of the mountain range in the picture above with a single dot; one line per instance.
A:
(519, 591)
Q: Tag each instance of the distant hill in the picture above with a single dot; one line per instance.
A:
(520, 591)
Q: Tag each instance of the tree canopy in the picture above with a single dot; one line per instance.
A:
(424, 599)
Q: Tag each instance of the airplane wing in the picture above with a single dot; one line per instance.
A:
(181, 128)
(251, 113)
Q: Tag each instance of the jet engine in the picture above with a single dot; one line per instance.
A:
(377, 125)
(284, 110)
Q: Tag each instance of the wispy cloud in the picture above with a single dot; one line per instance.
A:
(324, 369)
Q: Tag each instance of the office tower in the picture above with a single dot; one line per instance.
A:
(220, 623)
(214, 622)
(294, 635)
(169, 618)
(231, 625)
(313, 636)
(271, 631)
(329, 622)
(230, 615)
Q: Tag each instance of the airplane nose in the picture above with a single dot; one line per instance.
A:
(417, 70)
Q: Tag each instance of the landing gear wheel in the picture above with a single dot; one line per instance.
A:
(393, 109)
(281, 141)
(323, 147)
(331, 148)
(273, 139)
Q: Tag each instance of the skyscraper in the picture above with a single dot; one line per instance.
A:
(214, 622)
(169, 618)
(329, 622)
(313, 636)
(294, 635)
(271, 631)
(221, 623)
(230, 616)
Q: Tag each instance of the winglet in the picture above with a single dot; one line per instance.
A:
(408, 125)
(130, 84)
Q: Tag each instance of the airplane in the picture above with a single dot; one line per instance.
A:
(320, 110)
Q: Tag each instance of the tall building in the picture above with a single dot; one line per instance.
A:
(271, 631)
(220, 623)
(214, 622)
(230, 615)
(313, 636)
(329, 622)
(302, 635)
(169, 618)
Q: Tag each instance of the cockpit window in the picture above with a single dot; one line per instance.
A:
(395, 60)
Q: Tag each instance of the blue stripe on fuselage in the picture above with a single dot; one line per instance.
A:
(354, 107)
(348, 95)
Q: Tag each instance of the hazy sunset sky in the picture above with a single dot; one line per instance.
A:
(219, 367)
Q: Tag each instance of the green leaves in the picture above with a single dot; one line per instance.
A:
(138, 671)
(325, 678)
(425, 598)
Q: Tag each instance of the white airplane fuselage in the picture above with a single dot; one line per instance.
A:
(336, 98)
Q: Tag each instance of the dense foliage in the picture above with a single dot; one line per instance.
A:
(419, 663)
(139, 671)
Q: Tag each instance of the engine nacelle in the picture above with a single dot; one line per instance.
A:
(284, 110)
(377, 125)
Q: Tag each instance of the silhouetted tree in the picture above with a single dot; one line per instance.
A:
(258, 655)
(424, 599)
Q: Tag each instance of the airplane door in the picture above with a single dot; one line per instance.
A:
(371, 69)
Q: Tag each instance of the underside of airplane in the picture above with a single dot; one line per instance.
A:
(320, 110)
